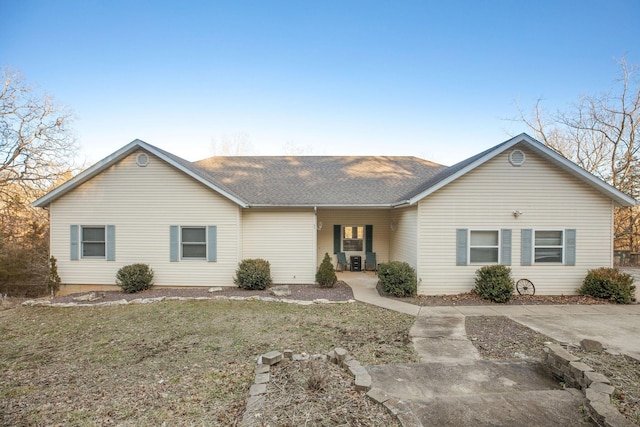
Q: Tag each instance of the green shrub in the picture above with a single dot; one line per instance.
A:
(398, 279)
(494, 282)
(134, 278)
(53, 279)
(253, 274)
(326, 276)
(609, 283)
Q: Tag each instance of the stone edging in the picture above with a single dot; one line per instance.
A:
(47, 303)
(596, 387)
(338, 356)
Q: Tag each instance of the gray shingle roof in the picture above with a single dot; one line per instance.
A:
(328, 180)
(320, 180)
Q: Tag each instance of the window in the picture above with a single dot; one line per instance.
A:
(548, 246)
(484, 246)
(353, 238)
(93, 242)
(194, 242)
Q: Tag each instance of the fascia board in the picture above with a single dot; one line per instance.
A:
(113, 158)
(617, 196)
(195, 176)
(471, 166)
(327, 206)
(86, 175)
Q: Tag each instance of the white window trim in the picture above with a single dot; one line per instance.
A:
(498, 246)
(206, 243)
(82, 242)
(364, 238)
(533, 244)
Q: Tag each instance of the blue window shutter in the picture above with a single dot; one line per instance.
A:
(111, 242)
(368, 236)
(74, 253)
(212, 243)
(336, 238)
(526, 246)
(461, 246)
(505, 247)
(570, 247)
(174, 247)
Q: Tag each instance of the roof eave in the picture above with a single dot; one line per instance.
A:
(320, 205)
(616, 195)
(620, 198)
(113, 158)
(87, 174)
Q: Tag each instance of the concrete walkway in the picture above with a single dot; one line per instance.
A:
(616, 326)
(452, 386)
(363, 285)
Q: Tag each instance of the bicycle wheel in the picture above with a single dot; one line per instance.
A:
(525, 287)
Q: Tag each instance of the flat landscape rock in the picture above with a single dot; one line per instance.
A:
(280, 291)
(591, 345)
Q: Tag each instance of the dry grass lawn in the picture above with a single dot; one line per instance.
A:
(171, 363)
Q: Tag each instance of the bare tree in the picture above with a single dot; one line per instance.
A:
(36, 144)
(238, 144)
(600, 134)
(37, 150)
(290, 148)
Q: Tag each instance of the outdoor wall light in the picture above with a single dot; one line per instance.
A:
(517, 213)
(319, 226)
(393, 225)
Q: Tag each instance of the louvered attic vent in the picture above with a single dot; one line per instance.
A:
(142, 159)
(517, 157)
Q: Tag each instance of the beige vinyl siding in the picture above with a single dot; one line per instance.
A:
(142, 202)
(403, 242)
(379, 218)
(285, 238)
(486, 197)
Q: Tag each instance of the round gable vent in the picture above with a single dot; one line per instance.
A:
(142, 159)
(517, 157)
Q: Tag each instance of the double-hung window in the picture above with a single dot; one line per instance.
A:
(194, 242)
(484, 246)
(474, 246)
(93, 242)
(353, 238)
(190, 242)
(548, 246)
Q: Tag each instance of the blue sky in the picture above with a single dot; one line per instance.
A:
(435, 79)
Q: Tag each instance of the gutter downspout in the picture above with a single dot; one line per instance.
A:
(315, 238)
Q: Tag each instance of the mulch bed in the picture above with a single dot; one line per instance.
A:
(340, 292)
(470, 299)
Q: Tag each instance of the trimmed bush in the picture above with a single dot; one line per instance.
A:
(253, 274)
(53, 279)
(609, 283)
(326, 276)
(134, 278)
(494, 282)
(398, 279)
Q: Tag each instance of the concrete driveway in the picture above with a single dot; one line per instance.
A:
(618, 331)
(616, 326)
(452, 386)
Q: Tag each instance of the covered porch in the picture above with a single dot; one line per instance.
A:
(386, 232)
